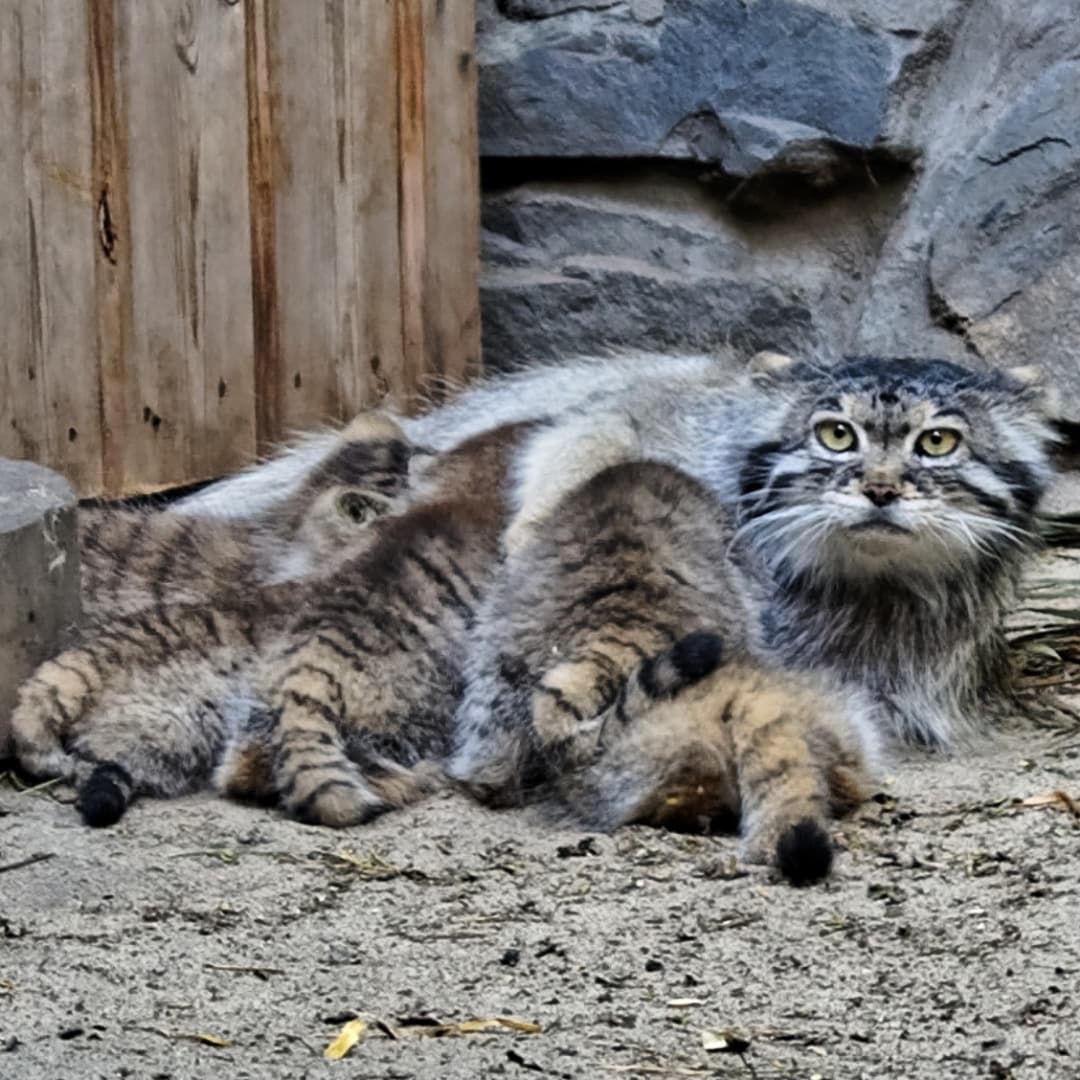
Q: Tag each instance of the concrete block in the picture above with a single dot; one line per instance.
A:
(39, 575)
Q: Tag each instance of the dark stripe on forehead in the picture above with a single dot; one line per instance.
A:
(359, 460)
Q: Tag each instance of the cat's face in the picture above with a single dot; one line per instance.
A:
(895, 466)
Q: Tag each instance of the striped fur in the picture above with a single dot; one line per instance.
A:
(180, 618)
(362, 688)
(137, 558)
(610, 675)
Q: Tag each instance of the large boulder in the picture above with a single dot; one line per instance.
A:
(891, 176)
(748, 87)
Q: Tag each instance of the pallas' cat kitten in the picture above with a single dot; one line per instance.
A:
(609, 674)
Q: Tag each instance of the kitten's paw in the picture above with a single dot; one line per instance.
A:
(35, 727)
(51, 705)
(338, 802)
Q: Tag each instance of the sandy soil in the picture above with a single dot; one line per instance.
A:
(946, 945)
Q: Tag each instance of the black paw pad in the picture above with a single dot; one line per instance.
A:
(804, 853)
(697, 655)
(688, 661)
(105, 795)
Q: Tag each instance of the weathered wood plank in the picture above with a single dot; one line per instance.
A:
(50, 386)
(412, 153)
(224, 221)
(268, 380)
(111, 238)
(451, 245)
(22, 401)
(371, 365)
(306, 224)
(188, 400)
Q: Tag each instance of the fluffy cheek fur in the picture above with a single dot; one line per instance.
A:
(815, 519)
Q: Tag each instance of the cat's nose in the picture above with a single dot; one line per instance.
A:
(881, 494)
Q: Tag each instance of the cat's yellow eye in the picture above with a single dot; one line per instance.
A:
(937, 442)
(835, 435)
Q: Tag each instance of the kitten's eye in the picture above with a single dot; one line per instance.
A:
(835, 435)
(937, 442)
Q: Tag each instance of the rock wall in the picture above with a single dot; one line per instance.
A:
(900, 176)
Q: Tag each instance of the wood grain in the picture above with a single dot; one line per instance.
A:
(264, 289)
(49, 371)
(184, 84)
(451, 247)
(225, 221)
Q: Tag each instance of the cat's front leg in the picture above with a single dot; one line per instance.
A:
(315, 779)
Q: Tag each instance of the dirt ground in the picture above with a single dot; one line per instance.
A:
(199, 938)
(946, 945)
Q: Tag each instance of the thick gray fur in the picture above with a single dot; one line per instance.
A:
(905, 600)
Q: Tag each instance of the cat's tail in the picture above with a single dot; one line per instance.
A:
(156, 738)
(800, 758)
(105, 794)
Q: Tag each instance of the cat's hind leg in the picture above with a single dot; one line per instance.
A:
(660, 756)
(161, 736)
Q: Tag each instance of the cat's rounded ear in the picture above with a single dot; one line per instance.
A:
(767, 365)
(372, 425)
(1042, 393)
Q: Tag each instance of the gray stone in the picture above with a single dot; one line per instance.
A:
(981, 264)
(39, 574)
(674, 174)
(660, 263)
(1015, 210)
(743, 86)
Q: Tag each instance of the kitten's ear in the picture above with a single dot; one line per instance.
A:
(688, 661)
(767, 365)
(373, 425)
